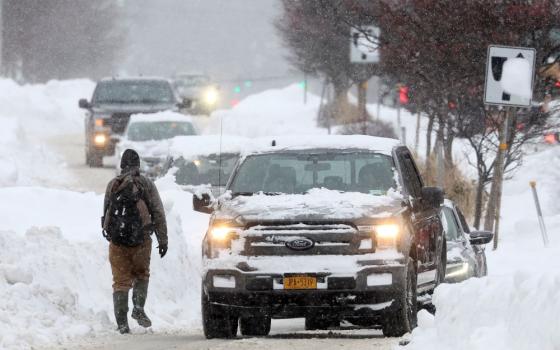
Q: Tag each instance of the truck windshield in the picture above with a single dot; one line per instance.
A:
(133, 91)
(292, 173)
(146, 131)
(205, 170)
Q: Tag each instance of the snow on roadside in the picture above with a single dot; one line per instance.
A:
(272, 112)
(30, 114)
(55, 278)
(517, 305)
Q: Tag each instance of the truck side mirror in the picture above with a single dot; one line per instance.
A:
(432, 196)
(83, 103)
(481, 237)
(185, 103)
(202, 203)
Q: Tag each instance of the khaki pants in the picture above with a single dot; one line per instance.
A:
(130, 264)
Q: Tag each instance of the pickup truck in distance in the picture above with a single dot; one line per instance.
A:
(114, 100)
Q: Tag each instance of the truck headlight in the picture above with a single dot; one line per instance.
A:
(386, 235)
(210, 96)
(100, 139)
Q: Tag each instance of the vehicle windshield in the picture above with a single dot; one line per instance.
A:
(205, 170)
(133, 91)
(292, 173)
(190, 81)
(147, 131)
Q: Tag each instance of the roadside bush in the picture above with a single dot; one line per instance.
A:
(458, 187)
(373, 128)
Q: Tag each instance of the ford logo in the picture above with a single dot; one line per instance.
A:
(300, 244)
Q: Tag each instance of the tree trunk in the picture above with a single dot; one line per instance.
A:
(490, 209)
(448, 145)
(429, 143)
(340, 104)
(478, 201)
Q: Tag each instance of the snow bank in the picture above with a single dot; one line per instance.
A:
(517, 305)
(29, 115)
(272, 112)
(55, 278)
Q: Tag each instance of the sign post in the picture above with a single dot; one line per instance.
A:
(364, 50)
(509, 84)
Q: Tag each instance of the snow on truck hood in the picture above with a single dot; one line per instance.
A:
(317, 204)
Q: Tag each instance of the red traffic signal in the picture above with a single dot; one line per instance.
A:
(403, 95)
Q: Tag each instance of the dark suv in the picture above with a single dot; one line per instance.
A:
(112, 104)
(340, 228)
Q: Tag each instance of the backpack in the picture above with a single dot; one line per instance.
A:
(127, 220)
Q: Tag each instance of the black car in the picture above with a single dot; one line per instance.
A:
(330, 228)
(114, 101)
(465, 248)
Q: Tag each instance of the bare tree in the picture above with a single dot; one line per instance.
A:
(60, 39)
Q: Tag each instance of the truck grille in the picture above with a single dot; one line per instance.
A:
(327, 239)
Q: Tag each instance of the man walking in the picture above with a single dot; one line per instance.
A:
(132, 212)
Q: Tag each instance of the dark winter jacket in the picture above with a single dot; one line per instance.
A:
(151, 197)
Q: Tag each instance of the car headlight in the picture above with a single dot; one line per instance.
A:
(460, 270)
(211, 96)
(386, 235)
(100, 139)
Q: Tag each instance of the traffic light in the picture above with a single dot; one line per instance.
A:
(403, 95)
(237, 89)
(302, 84)
(248, 83)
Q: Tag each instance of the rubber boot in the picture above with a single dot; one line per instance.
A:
(120, 303)
(139, 295)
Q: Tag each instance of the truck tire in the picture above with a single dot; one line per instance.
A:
(404, 318)
(94, 159)
(255, 325)
(217, 324)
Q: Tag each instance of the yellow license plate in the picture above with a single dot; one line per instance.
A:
(300, 282)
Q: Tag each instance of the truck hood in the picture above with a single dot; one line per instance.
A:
(133, 108)
(315, 205)
(148, 149)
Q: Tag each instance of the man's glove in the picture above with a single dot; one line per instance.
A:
(162, 250)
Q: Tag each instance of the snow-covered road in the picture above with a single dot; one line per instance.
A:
(286, 334)
(83, 178)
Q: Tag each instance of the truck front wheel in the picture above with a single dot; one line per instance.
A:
(94, 159)
(217, 324)
(255, 325)
(404, 318)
